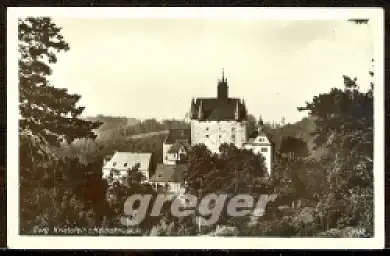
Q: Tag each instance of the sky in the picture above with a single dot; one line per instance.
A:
(152, 68)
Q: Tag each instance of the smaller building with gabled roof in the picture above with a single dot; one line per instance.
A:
(169, 178)
(176, 145)
(120, 163)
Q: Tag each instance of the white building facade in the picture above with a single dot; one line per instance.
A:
(262, 145)
(215, 133)
(117, 167)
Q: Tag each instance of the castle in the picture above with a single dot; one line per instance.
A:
(213, 122)
(216, 121)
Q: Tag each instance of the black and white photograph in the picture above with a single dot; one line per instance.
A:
(190, 128)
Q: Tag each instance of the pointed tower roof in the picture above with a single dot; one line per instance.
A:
(260, 128)
(222, 92)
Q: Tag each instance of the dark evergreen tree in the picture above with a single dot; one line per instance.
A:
(48, 116)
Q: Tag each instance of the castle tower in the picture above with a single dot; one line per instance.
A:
(222, 92)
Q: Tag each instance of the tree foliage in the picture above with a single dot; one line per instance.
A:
(332, 195)
(294, 146)
(233, 171)
(48, 116)
(46, 112)
(345, 126)
(251, 125)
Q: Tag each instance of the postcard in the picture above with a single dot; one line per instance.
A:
(195, 128)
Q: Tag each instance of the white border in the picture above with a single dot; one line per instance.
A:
(376, 15)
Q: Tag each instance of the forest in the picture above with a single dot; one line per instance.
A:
(321, 184)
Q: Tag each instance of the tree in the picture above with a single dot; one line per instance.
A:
(233, 171)
(251, 125)
(294, 146)
(48, 115)
(133, 184)
(344, 125)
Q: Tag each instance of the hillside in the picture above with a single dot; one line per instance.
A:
(124, 130)
(145, 136)
(301, 129)
(112, 122)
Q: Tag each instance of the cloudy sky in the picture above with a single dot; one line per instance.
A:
(153, 67)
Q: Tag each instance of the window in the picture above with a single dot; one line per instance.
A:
(264, 149)
(125, 165)
(233, 136)
(220, 136)
(207, 136)
(113, 164)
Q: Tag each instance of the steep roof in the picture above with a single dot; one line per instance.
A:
(126, 160)
(169, 173)
(215, 109)
(178, 134)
